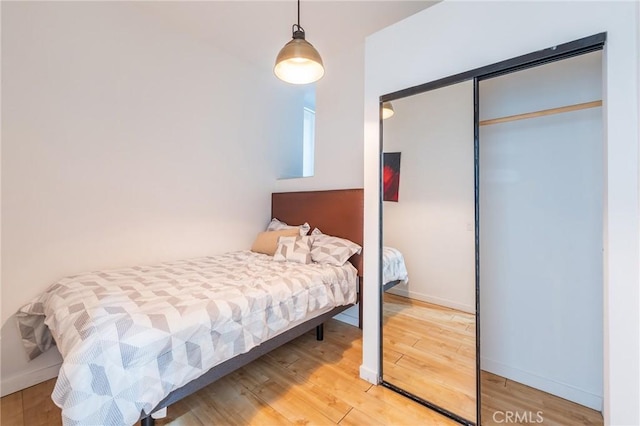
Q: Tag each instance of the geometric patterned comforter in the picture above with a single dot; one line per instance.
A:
(128, 337)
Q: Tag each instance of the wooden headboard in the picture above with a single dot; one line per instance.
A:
(336, 212)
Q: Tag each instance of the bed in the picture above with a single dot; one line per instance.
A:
(136, 340)
(394, 270)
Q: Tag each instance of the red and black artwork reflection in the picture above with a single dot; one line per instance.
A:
(391, 176)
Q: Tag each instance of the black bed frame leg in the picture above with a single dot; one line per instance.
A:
(148, 421)
(320, 332)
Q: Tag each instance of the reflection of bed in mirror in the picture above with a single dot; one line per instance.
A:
(394, 270)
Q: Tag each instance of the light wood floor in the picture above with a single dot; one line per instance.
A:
(500, 396)
(440, 342)
(429, 350)
(302, 382)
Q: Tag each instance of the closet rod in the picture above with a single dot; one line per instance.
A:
(542, 113)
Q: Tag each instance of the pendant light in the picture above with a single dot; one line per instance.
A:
(298, 62)
(387, 110)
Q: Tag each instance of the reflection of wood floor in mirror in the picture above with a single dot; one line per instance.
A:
(500, 395)
(429, 351)
(452, 346)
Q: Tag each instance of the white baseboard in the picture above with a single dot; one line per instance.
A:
(13, 384)
(368, 375)
(433, 299)
(563, 390)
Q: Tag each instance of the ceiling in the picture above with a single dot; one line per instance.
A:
(256, 30)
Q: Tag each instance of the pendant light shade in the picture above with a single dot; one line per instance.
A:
(299, 62)
(387, 110)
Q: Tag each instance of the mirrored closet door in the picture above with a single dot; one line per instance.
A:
(428, 303)
(492, 240)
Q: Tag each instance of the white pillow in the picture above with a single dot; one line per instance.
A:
(293, 249)
(332, 250)
(276, 225)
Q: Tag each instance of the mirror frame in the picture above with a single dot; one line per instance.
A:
(555, 53)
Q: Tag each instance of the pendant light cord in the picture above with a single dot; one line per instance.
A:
(298, 31)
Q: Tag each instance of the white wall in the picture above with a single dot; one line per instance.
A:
(541, 230)
(453, 37)
(432, 223)
(123, 142)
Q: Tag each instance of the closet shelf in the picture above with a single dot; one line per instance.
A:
(542, 113)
